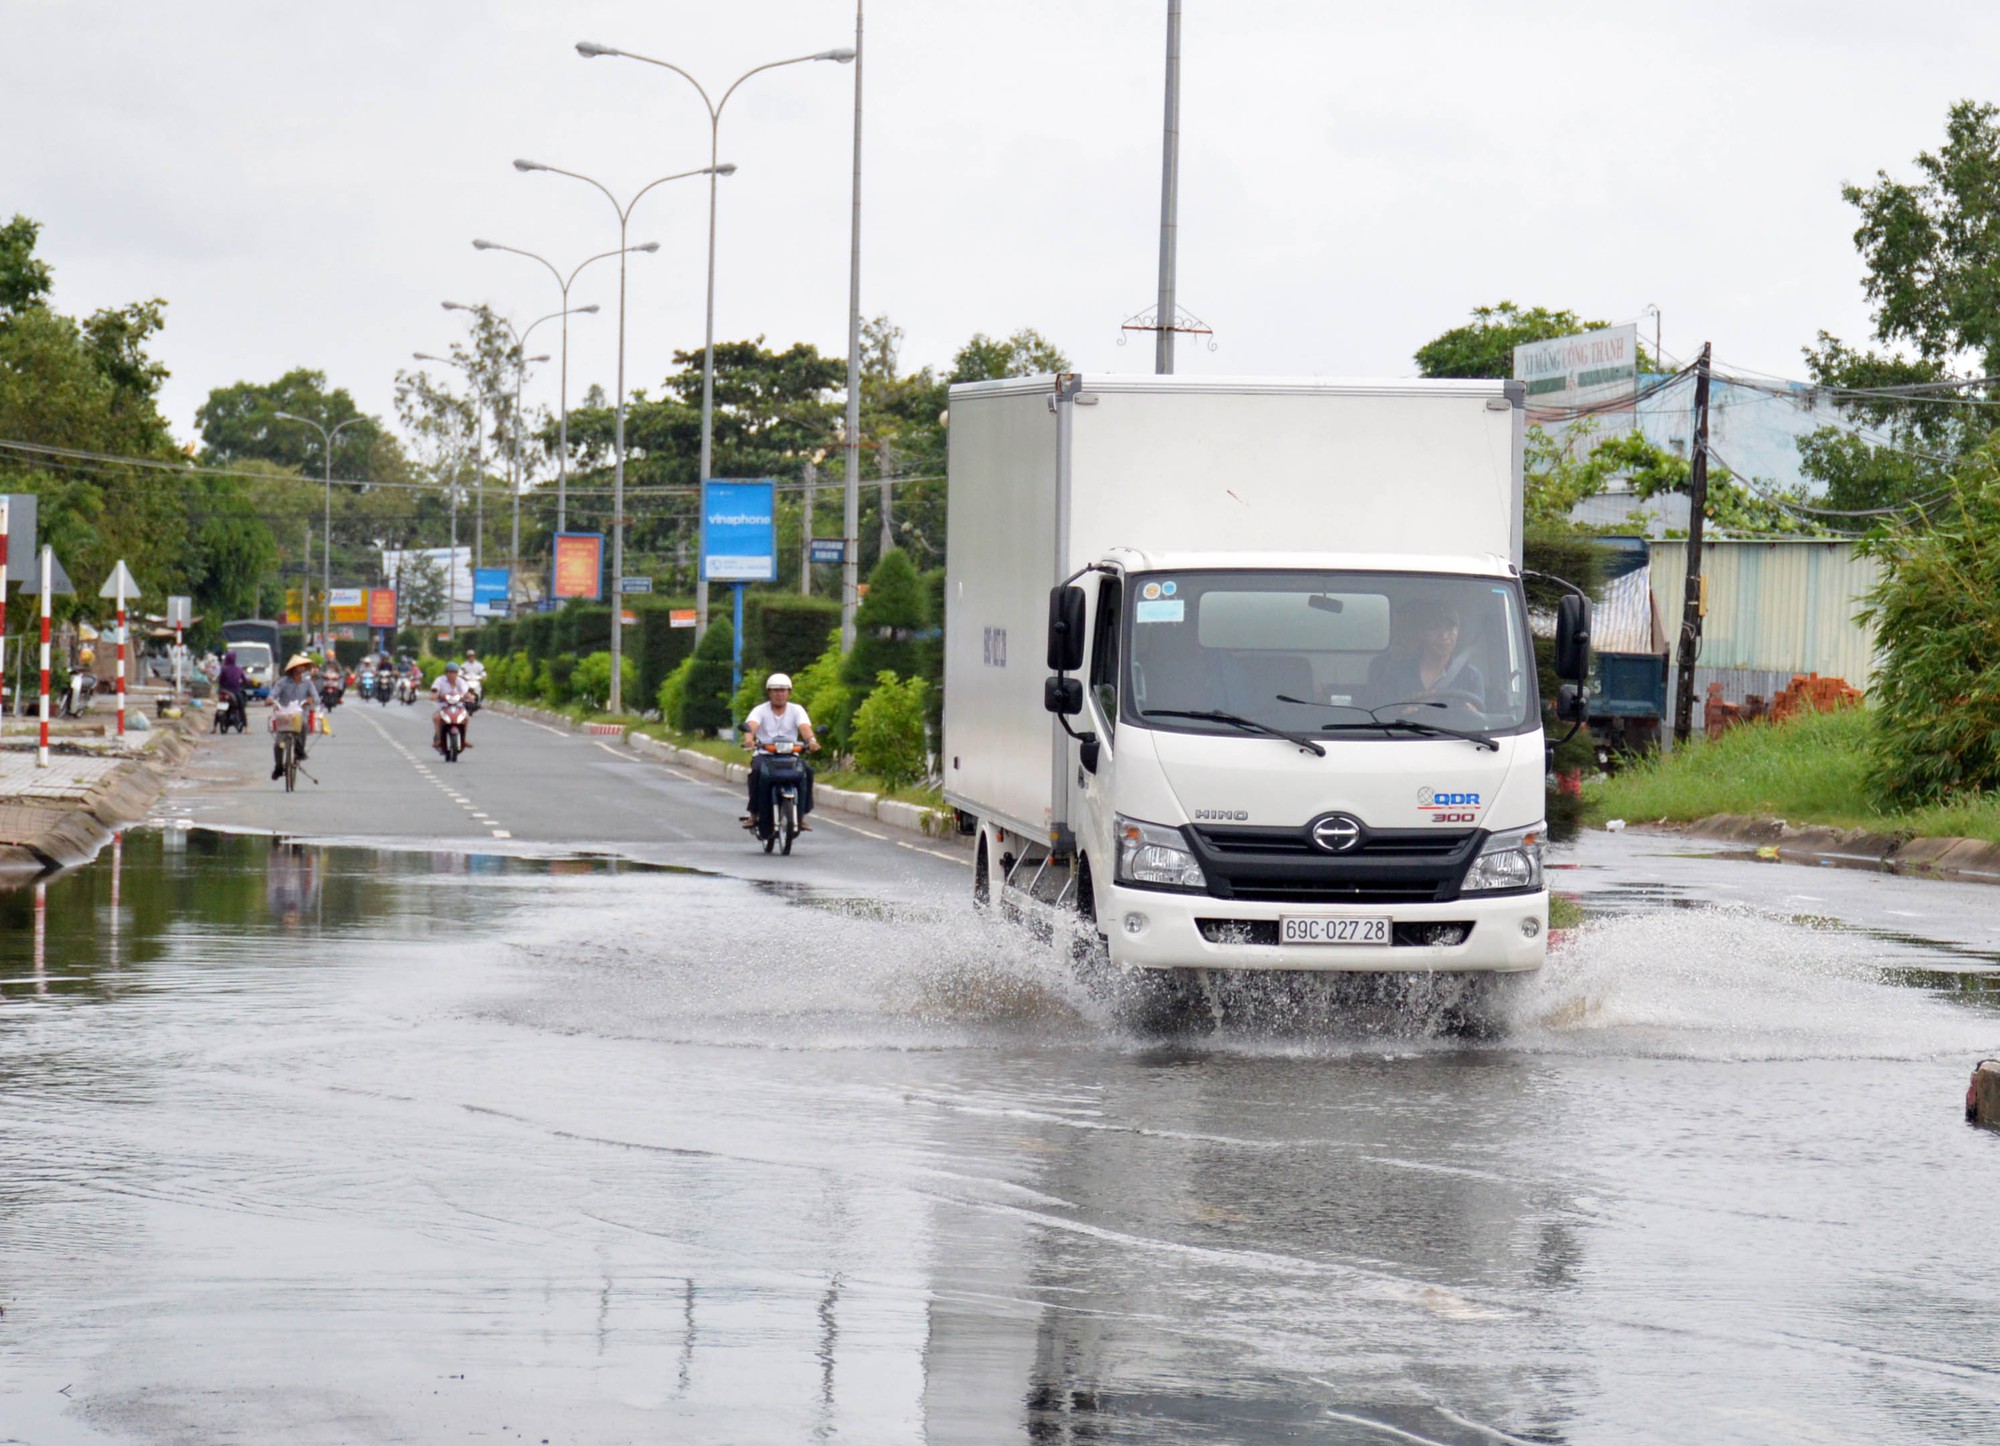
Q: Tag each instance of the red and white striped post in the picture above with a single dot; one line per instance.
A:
(121, 652)
(48, 587)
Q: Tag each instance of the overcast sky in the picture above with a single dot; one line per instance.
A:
(302, 182)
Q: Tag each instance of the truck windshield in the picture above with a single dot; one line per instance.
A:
(1341, 654)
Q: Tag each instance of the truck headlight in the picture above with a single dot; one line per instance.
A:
(1151, 853)
(1511, 860)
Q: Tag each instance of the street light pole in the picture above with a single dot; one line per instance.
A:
(850, 566)
(563, 283)
(590, 51)
(326, 538)
(517, 466)
(617, 698)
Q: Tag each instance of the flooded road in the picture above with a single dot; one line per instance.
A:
(315, 1143)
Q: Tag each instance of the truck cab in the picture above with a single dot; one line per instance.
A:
(1291, 761)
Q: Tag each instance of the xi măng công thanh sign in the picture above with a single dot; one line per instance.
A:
(579, 566)
(1592, 374)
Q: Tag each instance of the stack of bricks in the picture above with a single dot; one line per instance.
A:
(1810, 693)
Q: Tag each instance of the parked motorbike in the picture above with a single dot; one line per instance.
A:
(455, 716)
(82, 688)
(784, 770)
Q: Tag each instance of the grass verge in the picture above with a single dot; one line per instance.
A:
(1813, 769)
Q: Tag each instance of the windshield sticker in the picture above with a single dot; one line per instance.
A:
(1150, 591)
(1161, 610)
(1168, 589)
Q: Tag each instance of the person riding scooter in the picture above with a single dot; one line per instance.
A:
(232, 687)
(449, 688)
(778, 723)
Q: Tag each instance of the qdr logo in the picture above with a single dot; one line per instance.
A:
(1449, 807)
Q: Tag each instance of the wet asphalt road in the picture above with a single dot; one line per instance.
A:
(490, 1139)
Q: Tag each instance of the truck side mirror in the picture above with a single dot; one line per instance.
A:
(1572, 704)
(1573, 639)
(1063, 695)
(1066, 608)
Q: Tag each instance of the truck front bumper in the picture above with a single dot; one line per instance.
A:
(1151, 929)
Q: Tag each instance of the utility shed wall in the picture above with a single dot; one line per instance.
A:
(1775, 609)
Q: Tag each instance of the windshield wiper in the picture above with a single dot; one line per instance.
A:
(1410, 725)
(1239, 721)
(1406, 725)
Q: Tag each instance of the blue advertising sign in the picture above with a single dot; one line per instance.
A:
(489, 591)
(739, 535)
(829, 549)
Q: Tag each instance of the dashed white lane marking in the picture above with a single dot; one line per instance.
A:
(852, 827)
(934, 853)
(616, 752)
(423, 771)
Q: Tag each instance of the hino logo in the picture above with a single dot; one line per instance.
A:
(1336, 833)
(1224, 815)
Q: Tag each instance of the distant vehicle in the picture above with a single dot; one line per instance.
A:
(257, 661)
(1629, 647)
(254, 630)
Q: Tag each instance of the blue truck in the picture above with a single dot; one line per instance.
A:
(1628, 697)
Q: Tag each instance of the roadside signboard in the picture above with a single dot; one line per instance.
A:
(381, 607)
(349, 604)
(489, 592)
(180, 612)
(635, 584)
(681, 617)
(579, 566)
(1596, 372)
(829, 549)
(739, 541)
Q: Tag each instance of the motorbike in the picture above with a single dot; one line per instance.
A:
(230, 713)
(454, 715)
(367, 686)
(475, 690)
(406, 690)
(385, 687)
(329, 693)
(784, 770)
(82, 688)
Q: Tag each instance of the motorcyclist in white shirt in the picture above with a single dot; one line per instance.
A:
(776, 723)
(449, 688)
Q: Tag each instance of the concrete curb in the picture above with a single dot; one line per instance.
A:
(1967, 860)
(910, 817)
(74, 833)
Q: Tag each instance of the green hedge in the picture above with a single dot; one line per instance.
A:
(658, 646)
(535, 635)
(583, 628)
(784, 632)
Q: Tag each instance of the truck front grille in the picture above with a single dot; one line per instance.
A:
(1389, 866)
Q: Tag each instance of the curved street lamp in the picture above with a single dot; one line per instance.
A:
(590, 50)
(564, 283)
(617, 699)
(326, 541)
(478, 472)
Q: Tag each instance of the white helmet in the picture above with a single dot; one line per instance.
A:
(778, 680)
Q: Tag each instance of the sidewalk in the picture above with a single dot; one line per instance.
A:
(61, 815)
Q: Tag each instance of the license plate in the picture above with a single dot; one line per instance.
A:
(1371, 929)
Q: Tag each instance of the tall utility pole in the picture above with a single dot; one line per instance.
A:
(885, 468)
(1690, 639)
(808, 500)
(1170, 195)
(850, 568)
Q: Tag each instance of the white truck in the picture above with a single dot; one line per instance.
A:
(1296, 724)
